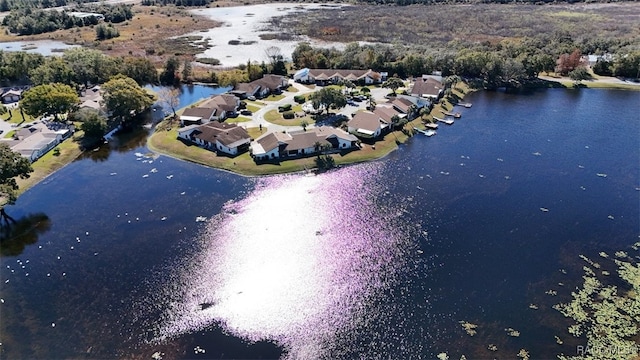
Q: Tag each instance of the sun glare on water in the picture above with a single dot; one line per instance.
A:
(293, 262)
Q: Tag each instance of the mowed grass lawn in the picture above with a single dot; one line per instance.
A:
(16, 116)
(166, 142)
(274, 117)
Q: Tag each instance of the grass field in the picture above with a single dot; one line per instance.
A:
(16, 117)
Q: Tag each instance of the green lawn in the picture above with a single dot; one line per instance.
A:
(274, 97)
(238, 119)
(292, 89)
(16, 117)
(10, 134)
(253, 108)
(274, 117)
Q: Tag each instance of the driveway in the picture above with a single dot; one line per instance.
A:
(258, 119)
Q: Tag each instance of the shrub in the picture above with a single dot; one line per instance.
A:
(288, 115)
(283, 108)
(300, 99)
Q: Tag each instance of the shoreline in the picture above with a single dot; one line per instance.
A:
(165, 142)
(70, 150)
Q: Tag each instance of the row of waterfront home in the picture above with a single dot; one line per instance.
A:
(203, 124)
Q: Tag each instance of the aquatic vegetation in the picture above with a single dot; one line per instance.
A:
(533, 306)
(443, 356)
(512, 332)
(604, 254)
(551, 292)
(469, 327)
(621, 254)
(606, 315)
(523, 354)
(492, 347)
(558, 340)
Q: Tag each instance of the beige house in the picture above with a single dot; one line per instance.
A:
(277, 145)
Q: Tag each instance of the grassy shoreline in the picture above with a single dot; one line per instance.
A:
(164, 141)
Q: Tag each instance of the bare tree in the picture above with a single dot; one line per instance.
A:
(170, 98)
(274, 54)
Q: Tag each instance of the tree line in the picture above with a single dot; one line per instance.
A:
(31, 21)
(6, 5)
(506, 64)
(76, 67)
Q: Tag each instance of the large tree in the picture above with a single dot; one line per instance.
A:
(124, 98)
(393, 83)
(93, 124)
(12, 165)
(326, 98)
(54, 70)
(140, 69)
(90, 66)
(49, 99)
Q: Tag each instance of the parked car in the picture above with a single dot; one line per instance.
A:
(246, 112)
(252, 98)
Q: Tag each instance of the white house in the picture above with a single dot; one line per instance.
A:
(366, 124)
(333, 76)
(225, 138)
(301, 143)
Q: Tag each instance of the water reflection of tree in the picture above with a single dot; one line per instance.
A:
(15, 235)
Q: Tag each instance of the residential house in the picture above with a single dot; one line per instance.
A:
(428, 86)
(260, 88)
(277, 145)
(368, 125)
(418, 101)
(404, 106)
(11, 96)
(387, 113)
(92, 99)
(218, 108)
(230, 139)
(333, 76)
(269, 146)
(34, 141)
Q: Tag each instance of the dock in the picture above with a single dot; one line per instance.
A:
(456, 115)
(425, 132)
(432, 126)
(465, 104)
(446, 121)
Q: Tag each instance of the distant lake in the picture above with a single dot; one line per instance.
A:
(376, 260)
(44, 47)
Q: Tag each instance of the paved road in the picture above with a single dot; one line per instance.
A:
(258, 119)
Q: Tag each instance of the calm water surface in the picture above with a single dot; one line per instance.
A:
(378, 260)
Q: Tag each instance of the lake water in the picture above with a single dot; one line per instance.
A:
(245, 24)
(376, 260)
(44, 47)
